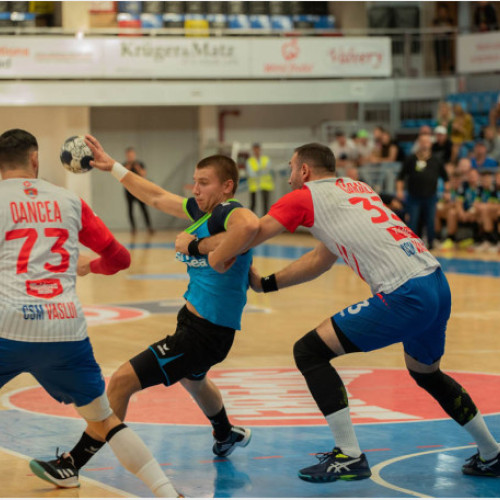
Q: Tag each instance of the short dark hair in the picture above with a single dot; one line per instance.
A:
(317, 156)
(224, 166)
(16, 145)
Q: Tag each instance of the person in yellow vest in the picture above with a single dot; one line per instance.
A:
(259, 177)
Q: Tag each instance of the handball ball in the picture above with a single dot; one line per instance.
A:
(76, 155)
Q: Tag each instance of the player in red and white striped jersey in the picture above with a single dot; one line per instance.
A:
(411, 304)
(42, 326)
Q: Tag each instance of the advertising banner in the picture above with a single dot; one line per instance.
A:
(148, 58)
(321, 57)
(478, 53)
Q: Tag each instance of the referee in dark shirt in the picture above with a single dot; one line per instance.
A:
(421, 172)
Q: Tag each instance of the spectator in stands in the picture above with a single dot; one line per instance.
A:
(385, 151)
(443, 42)
(344, 150)
(485, 17)
(480, 159)
(421, 172)
(423, 130)
(134, 165)
(492, 139)
(462, 129)
(364, 147)
(259, 177)
(465, 214)
(378, 131)
(445, 115)
(464, 166)
(495, 114)
(442, 145)
(487, 209)
(353, 173)
(445, 210)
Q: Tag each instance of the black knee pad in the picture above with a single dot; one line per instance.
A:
(428, 381)
(310, 351)
(452, 397)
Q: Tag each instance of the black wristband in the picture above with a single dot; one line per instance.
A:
(269, 284)
(193, 247)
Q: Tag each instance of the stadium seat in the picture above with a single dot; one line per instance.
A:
(151, 20)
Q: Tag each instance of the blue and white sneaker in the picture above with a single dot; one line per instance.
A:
(476, 466)
(335, 465)
(239, 436)
(61, 471)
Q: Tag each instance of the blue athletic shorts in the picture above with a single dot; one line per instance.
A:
(68, 371)
(415, 314)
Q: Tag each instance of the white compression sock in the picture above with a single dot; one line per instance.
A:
(137, 459)
(488, 447)
(343, 432)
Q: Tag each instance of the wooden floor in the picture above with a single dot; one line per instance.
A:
(266, 340)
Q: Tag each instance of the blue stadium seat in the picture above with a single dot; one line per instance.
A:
(238, 21)
(324, 22)
(281, 22)
(152, 20)
(260, 22)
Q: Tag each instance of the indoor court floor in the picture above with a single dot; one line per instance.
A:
(414, 450)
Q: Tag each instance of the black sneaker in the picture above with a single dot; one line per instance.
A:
(476, 466)
(61, 472)
(239, 436)
(335, 465)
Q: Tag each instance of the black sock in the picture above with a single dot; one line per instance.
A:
(221, 425)
(85, 449)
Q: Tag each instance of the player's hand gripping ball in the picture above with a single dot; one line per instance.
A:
(76, 155)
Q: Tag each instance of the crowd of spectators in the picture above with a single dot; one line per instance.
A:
(448, 188)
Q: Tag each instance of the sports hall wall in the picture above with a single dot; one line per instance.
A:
(169, 140)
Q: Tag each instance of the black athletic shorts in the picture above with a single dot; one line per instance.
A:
(190, 352)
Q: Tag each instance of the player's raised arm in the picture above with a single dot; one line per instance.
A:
(141, 188)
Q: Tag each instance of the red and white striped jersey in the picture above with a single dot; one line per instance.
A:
(354, 224)
(40, 227)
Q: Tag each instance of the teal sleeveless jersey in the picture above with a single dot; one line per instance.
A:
(219, 298)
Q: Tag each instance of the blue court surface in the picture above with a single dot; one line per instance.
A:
(418, 459)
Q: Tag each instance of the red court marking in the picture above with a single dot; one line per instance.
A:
(100, 315)
(266, 397)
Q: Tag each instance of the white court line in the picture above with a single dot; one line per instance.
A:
(104, 486)
(376, 478)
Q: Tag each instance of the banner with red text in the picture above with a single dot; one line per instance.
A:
(193, 58)
(321, 57)
(478, 53)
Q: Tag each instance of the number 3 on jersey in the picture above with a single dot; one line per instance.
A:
(355, 308)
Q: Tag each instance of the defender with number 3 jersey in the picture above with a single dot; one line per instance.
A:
(411, 304)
